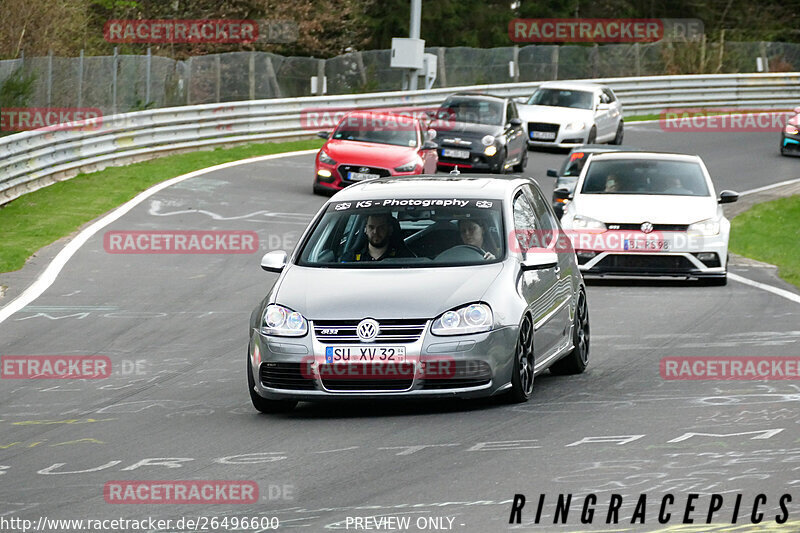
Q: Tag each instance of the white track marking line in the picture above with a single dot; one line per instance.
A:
(764, 287)
(48, 277)
(768, 187)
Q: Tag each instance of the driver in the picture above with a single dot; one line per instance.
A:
(472, 234)
(382, 242)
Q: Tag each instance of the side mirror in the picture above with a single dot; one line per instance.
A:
(431, 133)
(728, 197)
(552, 173)
(562, 193)
(603, 107)
(516, 122)
(429, 145)
(324, 135)
(274, 261)
(539, 260)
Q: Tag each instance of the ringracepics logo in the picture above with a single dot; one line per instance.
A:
(379, 119)
(730, 120)
(50, 118)
(180, 242)
(591, 30)
(730, 368)
(55, 366)
(180, 492)
(181, 31)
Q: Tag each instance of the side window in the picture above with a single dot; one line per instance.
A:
(524, 222)
(545, 220)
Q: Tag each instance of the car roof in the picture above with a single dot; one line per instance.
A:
(659, 156)
(572, 85)
(597, 148)
(479, 96)
(377, 112)
(434, 186)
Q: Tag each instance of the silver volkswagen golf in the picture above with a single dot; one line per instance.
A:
(423, 287)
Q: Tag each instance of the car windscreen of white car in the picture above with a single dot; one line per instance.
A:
(406, 233)
(562, 98)
(642, 176)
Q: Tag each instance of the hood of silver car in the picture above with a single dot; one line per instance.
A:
(353, 294)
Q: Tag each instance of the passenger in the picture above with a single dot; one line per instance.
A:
(674, 185)
(473, 232)
(612, 184)
(383, 240)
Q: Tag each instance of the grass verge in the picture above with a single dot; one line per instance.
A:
(42, 217)
(770, 232)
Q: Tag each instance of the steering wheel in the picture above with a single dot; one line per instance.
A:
(457, 252)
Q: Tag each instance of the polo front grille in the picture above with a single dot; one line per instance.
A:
(285, 376)
(645, 263)
(396, 331)
(656, 227)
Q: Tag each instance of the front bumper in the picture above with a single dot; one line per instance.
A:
(336, 181)
(562, 139)
(790, 144)
(465, 366)
(476, 161)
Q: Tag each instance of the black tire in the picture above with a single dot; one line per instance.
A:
(592, 136)
(620, 134)
(262, 404)
(576, 361)
(520, 167)
(524, 359)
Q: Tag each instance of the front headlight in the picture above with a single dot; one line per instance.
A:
(705, 227)
(575, 126)
(582, 222)
(410, 166)
(487, 140)
(283, 322)
(325, 158)
(490, 150)
(473, 318)
(791, 130)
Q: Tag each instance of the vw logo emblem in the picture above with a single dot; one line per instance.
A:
(367, 330)
(646, 227)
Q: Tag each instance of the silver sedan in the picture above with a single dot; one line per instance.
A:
(436, 286)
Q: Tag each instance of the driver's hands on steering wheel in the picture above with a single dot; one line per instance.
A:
(489, 256)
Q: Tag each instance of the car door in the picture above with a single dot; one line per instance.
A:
(515, 135)
(538, 287)
(555, 240)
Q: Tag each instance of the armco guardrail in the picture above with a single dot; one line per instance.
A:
(34, 159)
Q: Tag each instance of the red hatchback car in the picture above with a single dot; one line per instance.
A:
(373, 144)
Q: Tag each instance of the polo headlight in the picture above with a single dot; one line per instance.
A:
(283, 322)
(582, 222)
(410, 166)
(575, 126)
(706, 227)
(325, 158)
(472, 318)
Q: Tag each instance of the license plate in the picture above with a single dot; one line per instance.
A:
(358, 176)
(459, 154)
(365, 354)
(544, 135)
(644, 244)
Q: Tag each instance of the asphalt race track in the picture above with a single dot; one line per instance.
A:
(176, 405)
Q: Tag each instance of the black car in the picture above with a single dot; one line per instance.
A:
(790, 135)
(480, 132)
(571, 168)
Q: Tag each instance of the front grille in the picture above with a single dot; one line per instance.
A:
(363, 377)
(542, 126)
(285, 376)
(638, 227)
(344, 169)
(471, 373)
(645, 263)
(397, 331)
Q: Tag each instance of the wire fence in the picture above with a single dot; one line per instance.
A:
(122, 83)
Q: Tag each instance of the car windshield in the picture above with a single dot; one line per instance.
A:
(562, 98)
(572, 165)
(382, 129)
(645, 176)
(406, 233)
(472, 110)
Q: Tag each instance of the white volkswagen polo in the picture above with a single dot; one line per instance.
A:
(648, 214)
